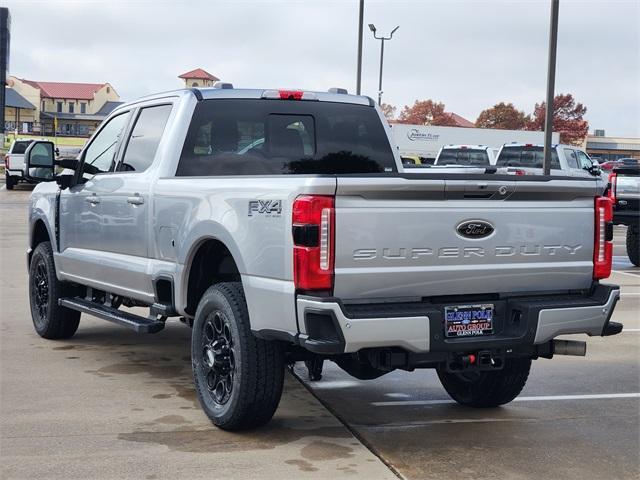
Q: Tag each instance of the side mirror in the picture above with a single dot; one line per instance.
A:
(39, 161)
(594, 169)
(65, 178)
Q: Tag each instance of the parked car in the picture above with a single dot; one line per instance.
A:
(14, 162)
(610, 165)
(14, 167)
(526, 159)
(624, 191)
(465, 155)
(314, 246)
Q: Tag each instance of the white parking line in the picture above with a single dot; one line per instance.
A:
(602, 396)
(626, 273)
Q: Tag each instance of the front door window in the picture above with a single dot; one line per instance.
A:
(100, 154)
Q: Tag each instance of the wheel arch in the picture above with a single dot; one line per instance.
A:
(209, 261)
(39, 233)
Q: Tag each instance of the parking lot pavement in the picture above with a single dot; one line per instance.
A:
(111, 404)
(577, 418)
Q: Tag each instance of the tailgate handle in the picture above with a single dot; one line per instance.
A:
(92, 199)
(478, 195)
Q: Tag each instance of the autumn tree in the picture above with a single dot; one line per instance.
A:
(388, 110)
(567, 119)
(504, 116)
(426, 112)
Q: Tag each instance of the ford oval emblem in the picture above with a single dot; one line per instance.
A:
(475, 229)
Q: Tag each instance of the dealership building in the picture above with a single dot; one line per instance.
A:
(605, 148)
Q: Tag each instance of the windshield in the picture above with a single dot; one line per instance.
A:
(21, 147)
(463, 156)
(270, 137)
(525, 157)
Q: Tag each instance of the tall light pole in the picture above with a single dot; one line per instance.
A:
(360, 23)
(382, 39)
(551, 80)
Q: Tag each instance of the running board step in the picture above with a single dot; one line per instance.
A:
(126, 319)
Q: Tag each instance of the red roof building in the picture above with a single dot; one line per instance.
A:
(461, 121)
(66, 90)
(65, 108)
(198, 78)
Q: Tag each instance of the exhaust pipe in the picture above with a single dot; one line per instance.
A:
(569, 347)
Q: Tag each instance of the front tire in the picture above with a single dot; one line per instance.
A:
(487, 388)
(238, 377)
(49, 319)
(633, 244)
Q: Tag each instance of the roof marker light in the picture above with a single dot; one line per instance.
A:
(289, 95)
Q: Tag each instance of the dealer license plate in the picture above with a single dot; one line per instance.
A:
(468, 320)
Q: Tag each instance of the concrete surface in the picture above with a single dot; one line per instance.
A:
(577, 418)
(111, 404)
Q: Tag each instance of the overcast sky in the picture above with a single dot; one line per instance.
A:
(469, 54)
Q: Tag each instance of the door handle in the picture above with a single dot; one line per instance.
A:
(135, 200)
(92, 199)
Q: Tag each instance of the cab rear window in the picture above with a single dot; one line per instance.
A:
(525, 157)
(463, 156)
(20, 147)
(272, 137)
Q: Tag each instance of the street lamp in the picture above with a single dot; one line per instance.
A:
(382, 39)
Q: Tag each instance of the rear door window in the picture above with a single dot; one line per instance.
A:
(465, 157)
(144, 139)
(572, 159)
(525, 157)
(272, 137)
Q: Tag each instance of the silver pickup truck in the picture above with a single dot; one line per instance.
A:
(281, 226)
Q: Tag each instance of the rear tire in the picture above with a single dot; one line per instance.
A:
(633, 244)
(238, 377)
(487, 388)
(9, 182)
(49, 319)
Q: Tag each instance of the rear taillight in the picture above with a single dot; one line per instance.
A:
(6, 162)
(611, 190)
(518, 171)
(603, 243)
(313, 242)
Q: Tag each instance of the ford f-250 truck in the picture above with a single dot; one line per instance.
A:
(281, 225)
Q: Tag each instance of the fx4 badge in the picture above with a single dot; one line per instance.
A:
(475, 229)
(269, 208)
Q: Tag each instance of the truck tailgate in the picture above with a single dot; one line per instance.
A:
(399, 236)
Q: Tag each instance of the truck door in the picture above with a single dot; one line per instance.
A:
(80, 205)
(126, 205)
